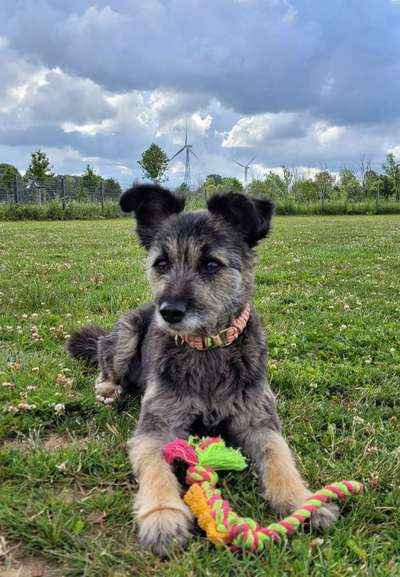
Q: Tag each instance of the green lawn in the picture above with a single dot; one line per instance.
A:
(328, 292)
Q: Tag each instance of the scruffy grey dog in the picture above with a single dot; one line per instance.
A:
(201, 270)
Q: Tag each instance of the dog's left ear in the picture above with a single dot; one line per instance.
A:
(151, 204)
(250, 216)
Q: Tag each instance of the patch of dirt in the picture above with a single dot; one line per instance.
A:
(52, 443)
(55, 442)
(15, 563)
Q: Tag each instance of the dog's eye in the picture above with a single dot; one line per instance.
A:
(210, 266)
(161, 265)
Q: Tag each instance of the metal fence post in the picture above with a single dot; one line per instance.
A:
(102, 195)
(63, 192)
(16, 199)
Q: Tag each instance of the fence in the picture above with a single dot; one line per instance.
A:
(17, 190)
(77, 198)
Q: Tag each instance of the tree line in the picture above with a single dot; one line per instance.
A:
(289, 185)
(39, 183)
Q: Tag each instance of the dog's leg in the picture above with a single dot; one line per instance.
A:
(163, 518)
(281, 482)
(118, 355)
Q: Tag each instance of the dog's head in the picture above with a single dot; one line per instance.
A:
(200, 263)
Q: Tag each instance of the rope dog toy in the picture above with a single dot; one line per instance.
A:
(214, 515)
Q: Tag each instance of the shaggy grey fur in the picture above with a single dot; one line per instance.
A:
(205, 262)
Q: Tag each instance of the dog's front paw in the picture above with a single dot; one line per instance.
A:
(107, 392)
(320, 519)
(164, 530)
(325, 516)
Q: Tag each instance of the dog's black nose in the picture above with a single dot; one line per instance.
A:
(173, 312)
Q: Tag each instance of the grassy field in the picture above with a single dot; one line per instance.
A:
(328, 292)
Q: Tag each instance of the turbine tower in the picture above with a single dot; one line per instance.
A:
(246, 167)
(188, 149)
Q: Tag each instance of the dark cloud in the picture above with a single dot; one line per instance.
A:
(339, 59)
(298, 83)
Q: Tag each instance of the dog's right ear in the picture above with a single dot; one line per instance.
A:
(151, 204)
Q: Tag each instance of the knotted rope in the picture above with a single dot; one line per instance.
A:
(214, 514)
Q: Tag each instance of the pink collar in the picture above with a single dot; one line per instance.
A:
(222, 339)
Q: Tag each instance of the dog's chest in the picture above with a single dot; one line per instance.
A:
(215, 377)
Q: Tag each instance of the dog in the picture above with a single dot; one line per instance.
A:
(197, 354)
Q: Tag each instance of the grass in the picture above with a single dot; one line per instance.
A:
(328, 292)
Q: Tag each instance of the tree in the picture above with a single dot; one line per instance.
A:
(350, 185)
(112, 188)
(373, 184)
(89, 178)
(154, 163)
(215, 179)
(305, 190)
(257, 188)
(275, 186)
(385, 186)
(230, 184)
(9, 175)
(216, 184)
(324, 181)
(392, 171)
(39, 171)
(89, 182)
(288, 177)
(365, 166)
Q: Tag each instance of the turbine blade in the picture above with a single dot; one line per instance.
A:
(176, 153)
(252, 160)
(194, 154)
(239, 163)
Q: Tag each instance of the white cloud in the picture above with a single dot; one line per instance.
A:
(254, 130)
(96, 19)
(34, 95)
(201, 123)
(326, 134)
(260, 170)
(394, 149)
(177, 168)
(125, 170)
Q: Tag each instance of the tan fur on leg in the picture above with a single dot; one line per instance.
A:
(283, 485)
(103, 386)
(161, 514)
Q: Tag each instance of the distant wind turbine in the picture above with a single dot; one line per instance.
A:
(188, 149)
(246, 167)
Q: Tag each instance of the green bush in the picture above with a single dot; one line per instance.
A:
(89, 210)
(55, 211)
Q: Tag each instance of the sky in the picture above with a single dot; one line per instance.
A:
(308, 84)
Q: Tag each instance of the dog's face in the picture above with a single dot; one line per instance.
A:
(200, 264)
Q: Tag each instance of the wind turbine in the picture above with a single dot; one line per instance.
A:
(188, 149)
(246, 167)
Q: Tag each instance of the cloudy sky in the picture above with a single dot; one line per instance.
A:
(309, 83)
